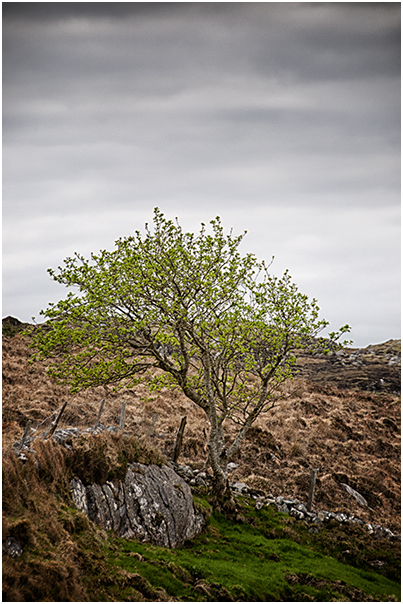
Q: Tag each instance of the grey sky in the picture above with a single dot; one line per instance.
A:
(282, 118)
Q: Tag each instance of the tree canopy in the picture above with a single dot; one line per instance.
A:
(185, 310)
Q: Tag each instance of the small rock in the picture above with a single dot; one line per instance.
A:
(283, 508)
(62, 434)
(378, 563)
(256, 493)
(259, 505)
(297, 514)
(185, 472)
(232, 466)
(112, 429)
(12, 547)
(324, 516)
(95, 429)
(239, 487)
(79, 494)
(381, 531)
(356, 521)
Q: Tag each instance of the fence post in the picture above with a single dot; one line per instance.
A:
(179, 436)
(57, 420)
(25, 435)
(311, 488)
(122, 416)
(151, 428)
(101, 408)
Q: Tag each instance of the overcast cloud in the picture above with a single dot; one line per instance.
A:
(282, 118)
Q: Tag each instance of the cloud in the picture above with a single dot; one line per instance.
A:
(283, 118)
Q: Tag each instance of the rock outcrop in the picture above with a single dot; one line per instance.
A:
(376, 368)
(152, 504)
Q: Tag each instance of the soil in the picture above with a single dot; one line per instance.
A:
(341, 414)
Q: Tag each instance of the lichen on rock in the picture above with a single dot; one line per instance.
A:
(151, 504)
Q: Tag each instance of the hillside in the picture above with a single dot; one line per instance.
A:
(341, 414)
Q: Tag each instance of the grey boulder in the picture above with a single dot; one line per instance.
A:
(152, 504)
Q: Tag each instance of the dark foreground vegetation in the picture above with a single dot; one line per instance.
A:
(249, 555)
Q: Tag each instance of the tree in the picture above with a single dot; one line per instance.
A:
(188, 311)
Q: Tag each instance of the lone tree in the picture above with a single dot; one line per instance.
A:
(172, 308)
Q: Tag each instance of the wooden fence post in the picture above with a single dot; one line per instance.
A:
(179, 436)
(311, 488)
(151, 428)
(25, 435)
(57, 420)
(101, 408)
(122, 416)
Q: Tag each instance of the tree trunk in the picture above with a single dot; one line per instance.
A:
(220, 487)
(218, 461)
(216, 444)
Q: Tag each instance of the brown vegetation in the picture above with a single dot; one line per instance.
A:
(351, 435)
(65, 556)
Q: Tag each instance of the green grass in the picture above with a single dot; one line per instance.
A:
(250, 556)
(246, 562)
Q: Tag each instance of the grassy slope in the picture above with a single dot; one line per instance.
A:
(257, 559)
(250, 556)
(353, 436)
